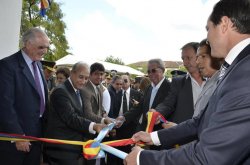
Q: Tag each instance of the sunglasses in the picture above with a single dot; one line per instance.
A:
(152, 70)
(125, 81)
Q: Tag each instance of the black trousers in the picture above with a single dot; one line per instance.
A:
(9, 155)
(63, 161)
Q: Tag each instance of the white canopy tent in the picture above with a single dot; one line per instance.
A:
(69, 60)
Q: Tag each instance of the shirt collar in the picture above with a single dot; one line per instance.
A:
(72, 84)
(235, 51)
(159, 84)
(127, 91)
(193, 80)
(95, 86)
(26, 58)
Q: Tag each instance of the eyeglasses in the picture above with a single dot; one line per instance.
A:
(125, 81)
(154, 70)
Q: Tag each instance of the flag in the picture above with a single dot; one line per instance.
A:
(44, 6)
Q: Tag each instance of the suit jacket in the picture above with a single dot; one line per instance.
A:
(178, 106)
(66, 121)
(220, 130)
(115, 104)
(20, 100)
(126, 131)
(143, 107)
(94, 113)
(206, 93)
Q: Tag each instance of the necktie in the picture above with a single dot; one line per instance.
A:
(124, 103)
(79, 96)
(97, 90)
(38, 87)
(223, 69)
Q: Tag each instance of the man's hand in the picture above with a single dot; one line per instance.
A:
(119, 121)
(135, 102)
(143, 136)
(131, 157)
(168, 125)
(108, 120)
(23, 146)
(98, 127)
(112, 133)
(152, 110)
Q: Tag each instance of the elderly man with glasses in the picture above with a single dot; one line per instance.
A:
(154, 94)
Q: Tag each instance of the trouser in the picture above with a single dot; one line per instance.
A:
(9, 155)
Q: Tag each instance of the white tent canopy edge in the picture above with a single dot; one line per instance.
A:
(70, 60)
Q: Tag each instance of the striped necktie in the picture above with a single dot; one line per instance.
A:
(223, 69)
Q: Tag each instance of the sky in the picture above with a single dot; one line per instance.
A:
(134, 30)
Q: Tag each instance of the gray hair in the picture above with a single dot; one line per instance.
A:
(79, 65)
(31, 34)
(159, 62)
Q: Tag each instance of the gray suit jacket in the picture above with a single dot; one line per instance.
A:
(93, 102)
(221, 130)
(206, 93)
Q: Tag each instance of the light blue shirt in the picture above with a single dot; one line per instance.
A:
(155, 89)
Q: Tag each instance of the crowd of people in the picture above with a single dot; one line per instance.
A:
(207, 109)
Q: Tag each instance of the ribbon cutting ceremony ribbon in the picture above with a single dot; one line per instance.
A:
(92, 149)
(152, 117)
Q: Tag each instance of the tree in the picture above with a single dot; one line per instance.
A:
(114, 60)
(52, 23)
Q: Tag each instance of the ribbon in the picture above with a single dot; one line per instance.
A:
(152, 117)
(92, 149)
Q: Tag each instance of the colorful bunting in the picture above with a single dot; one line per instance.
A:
(44, 6)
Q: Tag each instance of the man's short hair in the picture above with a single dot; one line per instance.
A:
(96, 66)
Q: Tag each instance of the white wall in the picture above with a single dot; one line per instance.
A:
(10, 18)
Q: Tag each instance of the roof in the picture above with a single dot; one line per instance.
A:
(70, 60)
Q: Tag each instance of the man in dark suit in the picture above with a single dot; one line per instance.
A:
(115, 96)
(154, 95)
(220, 130)
(66, 118)
(23, 99)
(130, 98)
(178, 106)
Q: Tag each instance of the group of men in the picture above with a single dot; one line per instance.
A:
(209, 119)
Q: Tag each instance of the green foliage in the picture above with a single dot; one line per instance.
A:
(114, 60)
(52, 23)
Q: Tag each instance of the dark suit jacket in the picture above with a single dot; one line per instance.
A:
(127, 130)
(178, 106)
(221, 130)
(115, 103)
(65, 121)
(20, 100)
(143, 107)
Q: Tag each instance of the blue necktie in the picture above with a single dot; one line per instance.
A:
(38, 87)
(79, 96)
